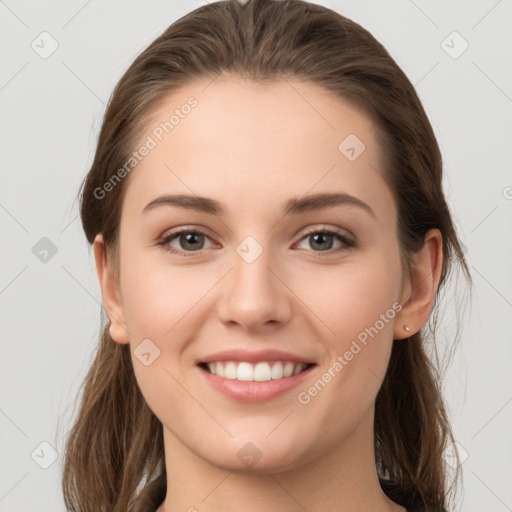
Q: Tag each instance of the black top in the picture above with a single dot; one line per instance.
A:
(405, 499)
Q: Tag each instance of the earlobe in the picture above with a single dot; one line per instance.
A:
(110, 293)
(421, 286)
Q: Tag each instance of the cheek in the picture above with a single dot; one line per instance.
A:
(356, 297)
(159, 303)
(156, 296)
(359, 308)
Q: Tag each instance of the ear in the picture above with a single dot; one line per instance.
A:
(420, 286)
(110, 293)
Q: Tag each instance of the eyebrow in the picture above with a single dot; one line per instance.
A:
(293, 206)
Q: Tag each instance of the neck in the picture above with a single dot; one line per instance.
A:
(344, 478)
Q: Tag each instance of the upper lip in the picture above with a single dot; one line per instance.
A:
(253, 357)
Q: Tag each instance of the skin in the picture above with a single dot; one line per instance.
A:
(252, 148)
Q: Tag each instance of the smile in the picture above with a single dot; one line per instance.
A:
(254, 382)
(259, 372)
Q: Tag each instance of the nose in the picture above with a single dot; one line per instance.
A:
(254, 294)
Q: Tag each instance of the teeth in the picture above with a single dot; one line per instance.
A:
(229, 370)
(298, 369)
(262, 372)
(288, 369)
(259, 372)
(277, 371)
(245, 371)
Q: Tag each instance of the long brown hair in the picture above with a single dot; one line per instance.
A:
(114, 457)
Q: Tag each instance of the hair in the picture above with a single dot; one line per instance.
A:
(114, 457)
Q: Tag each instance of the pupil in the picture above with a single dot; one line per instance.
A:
(186, 238)
(322, 236)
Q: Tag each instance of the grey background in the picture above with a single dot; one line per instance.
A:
(51, 110)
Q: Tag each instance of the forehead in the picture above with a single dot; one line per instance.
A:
(241, 142)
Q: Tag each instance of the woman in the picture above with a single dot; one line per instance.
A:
(270, 236)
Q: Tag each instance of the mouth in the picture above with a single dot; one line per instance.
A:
(254, 382)
(250, 372)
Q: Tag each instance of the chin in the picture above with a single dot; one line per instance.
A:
(256, 457)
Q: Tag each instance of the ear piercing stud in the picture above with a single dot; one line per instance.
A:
(407, 328)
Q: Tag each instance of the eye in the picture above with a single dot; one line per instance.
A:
(323, 240)
(188, 240)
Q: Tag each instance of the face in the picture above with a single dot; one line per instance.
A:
(293, 258)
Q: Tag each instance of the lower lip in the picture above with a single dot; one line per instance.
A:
(253, 391)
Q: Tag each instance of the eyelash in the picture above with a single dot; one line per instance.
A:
(348, 243)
